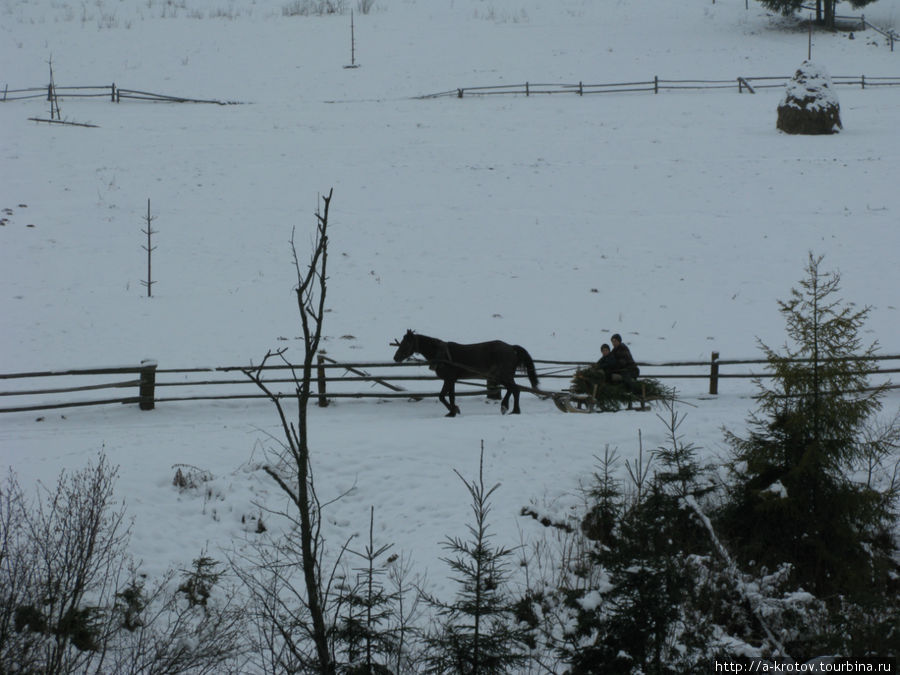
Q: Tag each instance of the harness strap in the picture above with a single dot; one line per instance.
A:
(441, 357)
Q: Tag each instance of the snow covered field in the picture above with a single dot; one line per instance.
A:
(472, 219)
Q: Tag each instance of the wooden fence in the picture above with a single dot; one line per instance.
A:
(656, 85)
(150, 384)
(108, 91)
(889, 34)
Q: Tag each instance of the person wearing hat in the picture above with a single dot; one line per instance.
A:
(626, 370)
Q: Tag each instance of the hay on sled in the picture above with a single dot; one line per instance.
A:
(611, 396)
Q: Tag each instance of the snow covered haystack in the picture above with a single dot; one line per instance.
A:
(810, 105)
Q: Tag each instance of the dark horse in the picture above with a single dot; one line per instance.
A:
(495, 360)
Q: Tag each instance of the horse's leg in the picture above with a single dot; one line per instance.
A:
(454, 409)
(515, 390)
(448, 388)
(444, 389)
(512, 389)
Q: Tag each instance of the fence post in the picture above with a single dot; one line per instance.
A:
(112, 93)
(862, 81)
(580, 89)
(320, 377)
(526, 89)
(656, 84)
(146, 396)
(714, 374)
(459, 93)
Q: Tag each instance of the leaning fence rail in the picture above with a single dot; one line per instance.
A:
(150, 384)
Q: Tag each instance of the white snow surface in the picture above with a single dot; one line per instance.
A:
(469, 219)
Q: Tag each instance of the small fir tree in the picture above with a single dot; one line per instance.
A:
(605, 495)
(476, 633)
(362, 629)
(198, 582)
(792, 494)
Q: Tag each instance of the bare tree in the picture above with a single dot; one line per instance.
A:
(293, 475)
(71, 600)
(59, 565)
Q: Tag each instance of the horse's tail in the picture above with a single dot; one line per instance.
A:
(524, 362)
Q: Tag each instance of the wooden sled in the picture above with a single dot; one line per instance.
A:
(568, 401)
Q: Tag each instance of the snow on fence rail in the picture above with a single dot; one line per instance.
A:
(332, 380)
(656, 85)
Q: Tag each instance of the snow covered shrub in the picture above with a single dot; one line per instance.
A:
(196, 628)
(189, 477)
(809, 105)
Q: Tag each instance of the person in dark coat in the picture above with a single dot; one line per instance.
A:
(626, 370)
(607, 362)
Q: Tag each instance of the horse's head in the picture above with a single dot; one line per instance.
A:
(405, 347)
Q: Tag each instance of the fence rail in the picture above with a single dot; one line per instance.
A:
(332, 380)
